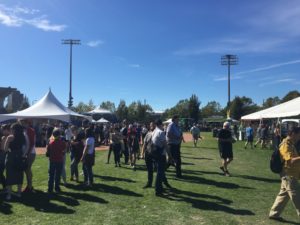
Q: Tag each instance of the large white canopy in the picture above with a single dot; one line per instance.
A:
(283, 110)
(46, 108)
(102, 120)
(99, 111)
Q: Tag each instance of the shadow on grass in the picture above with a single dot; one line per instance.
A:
(5, 208)
(268, 180)
(202, 158)
(85, 197)
(104, 188)
(41, 202)
(201, 180)
(187, 163)
(109, 178)
(203, 204)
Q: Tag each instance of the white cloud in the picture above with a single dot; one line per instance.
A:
(94, 44)
(279, 81)
(18, 16)
(134, 65)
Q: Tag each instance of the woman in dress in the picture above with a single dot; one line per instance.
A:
(16, 148)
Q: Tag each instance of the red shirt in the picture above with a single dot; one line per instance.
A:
(56, 150)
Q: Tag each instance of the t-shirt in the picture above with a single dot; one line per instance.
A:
(195, 131)
(225, 145)
(90, 142)
(31, 138)
(249, 131)
(56, 149)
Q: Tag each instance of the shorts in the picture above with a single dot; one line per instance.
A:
(250, 138)
(225, 154)
(195, 137)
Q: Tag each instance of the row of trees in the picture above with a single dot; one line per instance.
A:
(186, 108)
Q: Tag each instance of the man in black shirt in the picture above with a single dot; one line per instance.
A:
(225, 147)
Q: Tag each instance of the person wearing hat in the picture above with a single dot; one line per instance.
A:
(225, 147)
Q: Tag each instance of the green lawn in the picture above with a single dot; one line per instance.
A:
(203, 196)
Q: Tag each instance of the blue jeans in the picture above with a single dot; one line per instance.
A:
(160, 176)
(55, 169)
(88, 173)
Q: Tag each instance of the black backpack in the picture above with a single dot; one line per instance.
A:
(276, 164)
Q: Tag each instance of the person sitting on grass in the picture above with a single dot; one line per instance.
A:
(55, 151)
(225, 147)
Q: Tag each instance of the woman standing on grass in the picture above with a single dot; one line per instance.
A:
(77, 147)
(88, 157)
(5, 133)
(16, 148)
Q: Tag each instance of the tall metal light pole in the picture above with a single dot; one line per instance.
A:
(70, 42)
(228, 60)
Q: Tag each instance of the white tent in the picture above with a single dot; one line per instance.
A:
(283, 110)
(102, 120)
(99, 111)
(46, 108)
(168, 121)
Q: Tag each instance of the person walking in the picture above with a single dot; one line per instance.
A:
(249, 136)
(116, 139)
(225, 140)
(195, 131)
(174, 139)
(290, 188)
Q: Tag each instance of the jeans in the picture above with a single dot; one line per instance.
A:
(88, 173)
(160, 176)
(55, 169)
(175, 152)
(149, 164)
(126, 151)
(117, 151)
(74, 167)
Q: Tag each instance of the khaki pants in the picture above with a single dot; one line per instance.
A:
(290, 189)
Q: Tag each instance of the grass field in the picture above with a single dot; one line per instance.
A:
(203, 196)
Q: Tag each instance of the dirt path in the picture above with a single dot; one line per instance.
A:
(40, 151)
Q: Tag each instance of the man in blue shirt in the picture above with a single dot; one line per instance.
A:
(174, 138)
(249, 136)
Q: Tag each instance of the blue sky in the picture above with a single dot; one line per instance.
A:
(160, 51)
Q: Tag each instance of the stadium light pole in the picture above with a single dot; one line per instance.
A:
(228, 60)
(70, 42)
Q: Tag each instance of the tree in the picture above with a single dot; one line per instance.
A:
(271, 101)
(82, 107)
(193, 108)
(212, 108)
(25, 104)
(122, 111)
(241, 106)
(181, 109)
(289, 96)
(109, 106)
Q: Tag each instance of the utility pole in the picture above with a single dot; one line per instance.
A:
(70, 42)
(228, 60)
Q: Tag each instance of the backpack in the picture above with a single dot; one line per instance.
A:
(276, 164)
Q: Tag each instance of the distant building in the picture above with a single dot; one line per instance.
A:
(11, 100)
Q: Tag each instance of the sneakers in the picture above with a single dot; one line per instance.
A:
(227, 174)
(277, 218)
(147, 186)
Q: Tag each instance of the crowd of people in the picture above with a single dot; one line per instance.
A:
(157, 144)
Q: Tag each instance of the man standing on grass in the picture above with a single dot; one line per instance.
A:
(290, 188)
(225, 147)
(174, 138)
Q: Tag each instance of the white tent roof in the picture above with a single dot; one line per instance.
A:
(102, 120)
(46, 108)
(283, 110)
(168, 121)
(99, 111)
